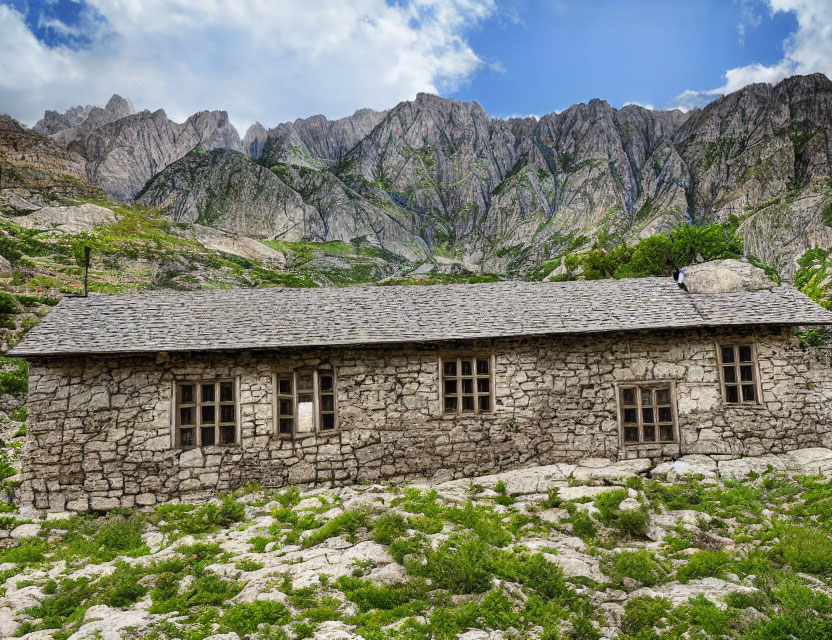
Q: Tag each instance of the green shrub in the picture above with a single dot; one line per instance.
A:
(703, 564)
(244, 618)
(703, 618)
(426, 524)
(8, 303)
(642, 613)
(371, 596)
(639, 565)
(122, 587)
(807, 549)
(460, 565)
(495, 611)
(633, 523)
(388, 527)
(583, 629)
(583, 526)
(744, 599)
(607, 503)
(68, 603)
(553, 500)
(119, 536)
(207, 589)
(827, 214)
(248, 564)
(14, 379)
(546, 578)
(348, 522)
(29, 551)
(206, 519)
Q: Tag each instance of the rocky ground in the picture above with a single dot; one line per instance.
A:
(698, 548)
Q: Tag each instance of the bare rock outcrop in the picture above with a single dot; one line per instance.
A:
(724, 276)
(123, 155)
(73, 219)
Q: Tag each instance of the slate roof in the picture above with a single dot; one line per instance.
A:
(239, 319)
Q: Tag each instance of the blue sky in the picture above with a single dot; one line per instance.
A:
(273, 61)
(650, 51)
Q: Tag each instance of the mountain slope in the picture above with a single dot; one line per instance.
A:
(436, 178)
(227, 190)
(123, 155)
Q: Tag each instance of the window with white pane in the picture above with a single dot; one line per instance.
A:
(305, 402)
(647, 413)
(467, 384)
(206, 413)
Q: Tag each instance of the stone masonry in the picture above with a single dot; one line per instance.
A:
(100, 433)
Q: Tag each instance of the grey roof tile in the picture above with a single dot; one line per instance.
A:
(238, 319)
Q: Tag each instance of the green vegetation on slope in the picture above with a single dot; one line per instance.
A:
(657, 255)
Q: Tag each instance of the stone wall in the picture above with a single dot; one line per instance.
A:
(100, 428)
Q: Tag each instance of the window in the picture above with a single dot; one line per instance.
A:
(206, 413)
(647, 414)
(305, 402)
(738, 372)
(467, 384)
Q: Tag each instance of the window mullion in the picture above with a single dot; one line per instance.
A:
(639, 416)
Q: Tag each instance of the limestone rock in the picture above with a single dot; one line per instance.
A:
(713, 588)
(218, 240)
(602, 469)
(104, 623)
(686, 465)
(73, 219)
(335, 630)
(26, 530)
(724, 276)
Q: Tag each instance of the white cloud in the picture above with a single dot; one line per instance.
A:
(807, 50)
(259, 59)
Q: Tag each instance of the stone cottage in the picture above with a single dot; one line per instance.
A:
(136, 399)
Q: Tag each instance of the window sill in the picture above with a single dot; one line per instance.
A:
(304, 436)
(633, 445)
(489, 414)
(232, 445)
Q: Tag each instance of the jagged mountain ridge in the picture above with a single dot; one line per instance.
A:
(437, 176)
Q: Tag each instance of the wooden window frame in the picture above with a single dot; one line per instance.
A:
(459, 356)
(317, 393)
(653, 385)
(754, 364)
(196, 405)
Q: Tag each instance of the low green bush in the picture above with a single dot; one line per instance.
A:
(244, 618)
(209, 517)
(583, 526)
(607, 503)
(703, 564)
(122, 588)
(641, 565)
(806, 549)
(348, 522)
(389, 527)
(632, 523)
(426, 524)
(642, 613)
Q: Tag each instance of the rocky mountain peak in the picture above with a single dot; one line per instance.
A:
(7, 123)
(118, 105)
